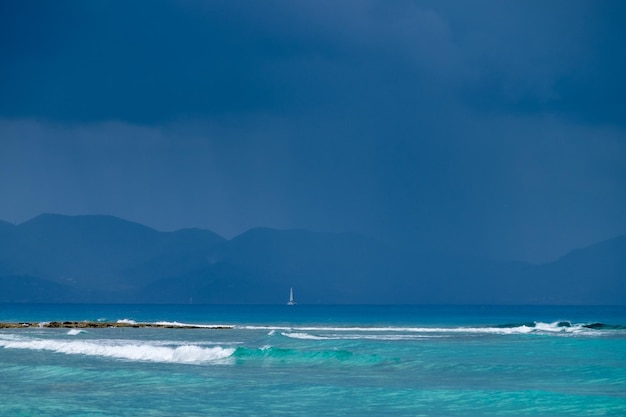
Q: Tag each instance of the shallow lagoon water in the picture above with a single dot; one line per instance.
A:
(317, 360)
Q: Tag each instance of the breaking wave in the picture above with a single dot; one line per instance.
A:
(121, 349)
(179, 324)
(305, 336)
(171, 324)
(403, 332)
(182, 354)
(201, 352)
(561, 327)
(338, 336)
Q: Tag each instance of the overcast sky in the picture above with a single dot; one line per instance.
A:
(493, 128)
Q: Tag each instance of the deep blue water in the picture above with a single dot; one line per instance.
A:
(316, 360)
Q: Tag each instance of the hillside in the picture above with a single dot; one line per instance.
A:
(99, 254)
(54, 258)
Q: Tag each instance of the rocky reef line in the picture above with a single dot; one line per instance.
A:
(102, 325)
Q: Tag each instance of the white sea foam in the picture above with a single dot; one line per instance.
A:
(556, 328)
(304, 336)
(123, 349)
(537, 327)
(74, 332)
(171, 323)
(179, 324)
(336, 336)
(249, 327)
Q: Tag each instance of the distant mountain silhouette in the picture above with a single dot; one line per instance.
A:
(592, 275)
(101, 257)
(55, 258)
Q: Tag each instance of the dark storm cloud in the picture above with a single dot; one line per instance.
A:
(536, 57)
(152, 61)
(490, 127)
(138, 62)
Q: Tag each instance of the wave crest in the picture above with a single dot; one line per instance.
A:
(128, 350)
(558, 328)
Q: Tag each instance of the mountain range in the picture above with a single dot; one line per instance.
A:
(104, 259)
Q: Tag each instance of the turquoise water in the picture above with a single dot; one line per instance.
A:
(317, 360)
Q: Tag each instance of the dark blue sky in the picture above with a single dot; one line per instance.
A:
(486, 127)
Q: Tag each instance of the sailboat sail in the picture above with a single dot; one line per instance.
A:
(291, 302)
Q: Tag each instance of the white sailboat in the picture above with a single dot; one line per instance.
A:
(291, 302)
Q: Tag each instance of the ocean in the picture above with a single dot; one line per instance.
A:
(312, 360)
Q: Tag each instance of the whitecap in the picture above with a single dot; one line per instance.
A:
(306, 336)
(179, 324)
(128, 350)
(555, 328)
